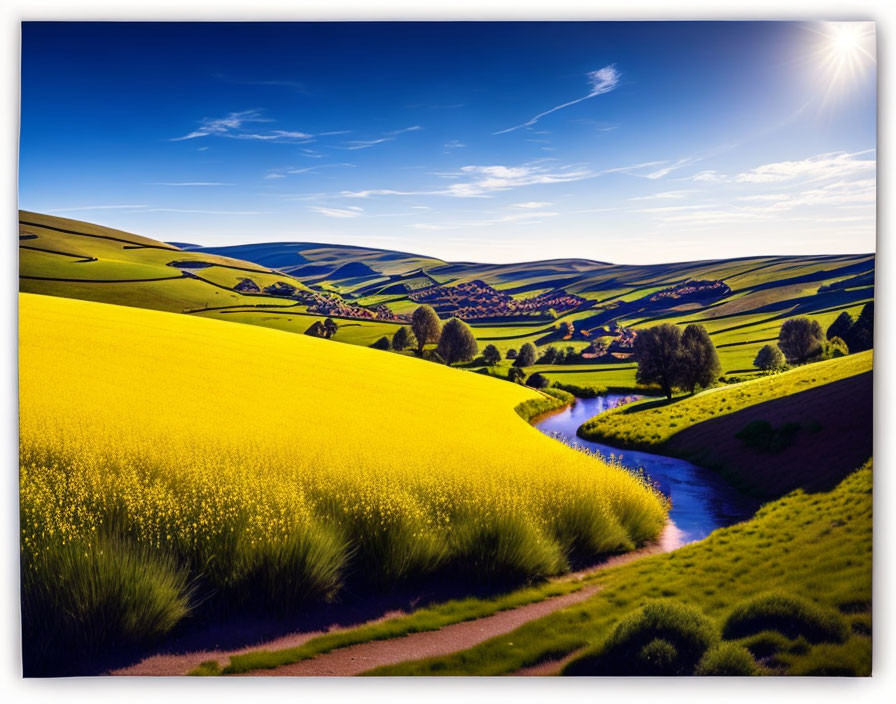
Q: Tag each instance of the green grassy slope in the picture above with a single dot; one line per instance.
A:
(814, 425)
(817, 546)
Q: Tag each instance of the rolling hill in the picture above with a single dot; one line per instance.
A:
(233, 466)
(560, 302)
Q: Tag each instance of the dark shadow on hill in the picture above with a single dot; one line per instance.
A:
(831, 433)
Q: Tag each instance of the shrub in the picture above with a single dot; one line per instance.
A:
(835, 347)
(582, 391)
(662, 638)
(760, 434)
(382, 344)
(790, 615)
(316, 329)
(538, 381)
(769, 359)
(516, 375)
(512, 353)
(505, 549)
(79, 599)
(725, 660)
(403, 338)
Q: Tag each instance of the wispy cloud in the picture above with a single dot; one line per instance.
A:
(664, 195)
(821, 167)
(480, 181)
(387, 137)
(602, 81)
(231, 126)
(292, 171)
(453, 144)
(337, 212)
(532, 204)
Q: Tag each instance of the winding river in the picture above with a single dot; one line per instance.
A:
(701, 500)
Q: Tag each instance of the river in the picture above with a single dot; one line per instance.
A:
(701, 500)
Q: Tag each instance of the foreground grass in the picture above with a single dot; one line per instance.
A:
(426, 619)
(650, 424)
(266, 470)
(814, 546)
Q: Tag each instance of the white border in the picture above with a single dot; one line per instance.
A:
(367, 691)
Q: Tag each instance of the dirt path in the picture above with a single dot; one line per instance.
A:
(450, 639)
(355, 659)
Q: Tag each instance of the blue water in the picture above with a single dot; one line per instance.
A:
(701, 500)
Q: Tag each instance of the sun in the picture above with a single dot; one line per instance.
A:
(844, 52)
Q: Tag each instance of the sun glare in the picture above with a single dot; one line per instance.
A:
(845, 52)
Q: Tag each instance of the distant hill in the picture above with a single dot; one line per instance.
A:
(742, 302)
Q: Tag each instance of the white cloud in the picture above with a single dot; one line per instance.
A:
(602, 81)
(388, 137)
(821, 167)
(480, 181)
(532, 204)
(710, 176)
(337, 212)
(454, 144)
(96, 207)
(231, 125)
(665, 195)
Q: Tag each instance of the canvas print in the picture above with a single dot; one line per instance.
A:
(446, 348)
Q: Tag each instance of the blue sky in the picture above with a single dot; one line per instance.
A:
(623, 142)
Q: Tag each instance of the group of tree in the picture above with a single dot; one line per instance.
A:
(672, 359)
(802, 340)
(324, 329)
(858, 334)
(454, 341)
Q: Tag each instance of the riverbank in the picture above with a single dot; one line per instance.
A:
(806, 428)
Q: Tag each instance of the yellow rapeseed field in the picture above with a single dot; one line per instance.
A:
(270, 467)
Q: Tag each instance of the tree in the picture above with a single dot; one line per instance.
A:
(382, 344)
(316, 329)
(538, 381)
(426, 326)
(330, 327)
(699, 360)
(658, 352)
(861, 335)
(457, 343)
(840, 327)
(526, 356)
(769, 359)
(800, 340)
(549, 356)
(491, 355)
(516, 375)
(403, 338)
(511, 353)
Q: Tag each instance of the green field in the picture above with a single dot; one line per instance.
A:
(79, 260)
(811, 546)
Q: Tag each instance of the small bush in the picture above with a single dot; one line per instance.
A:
(643, 643)
(726, 660)
(506, 549)
(790, 615)
(766, 644)
(79, 599)
(538, 381)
